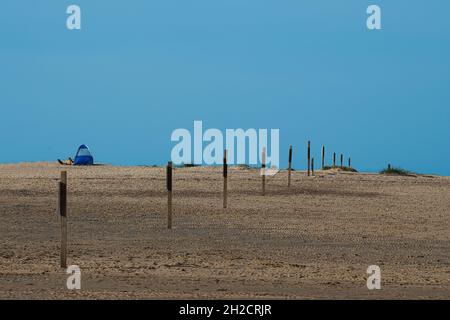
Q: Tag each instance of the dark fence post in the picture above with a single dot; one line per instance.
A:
(263, 171)
(323, 157)
(62, 201)
(289, 166)
(225, 177)
(169, 194)
(309, 157)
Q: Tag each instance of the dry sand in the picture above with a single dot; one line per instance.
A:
(315, 240)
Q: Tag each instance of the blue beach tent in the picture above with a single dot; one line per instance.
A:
(83, 156)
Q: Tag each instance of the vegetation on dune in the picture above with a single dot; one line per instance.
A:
(396, 171)
(185, 165)
(190, 165)
(348, 169)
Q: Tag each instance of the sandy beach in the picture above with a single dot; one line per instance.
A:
(314, 240)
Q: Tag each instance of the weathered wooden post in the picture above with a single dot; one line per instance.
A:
(263, 170)
(169, 194)
(342, 160)
(225, 177)
(323, 157)
(334, 159)
(62, 203)
(289, 166)
(309, 157)
(312, 166)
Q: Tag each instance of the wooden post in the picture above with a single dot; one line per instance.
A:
(349, 162)
(309, 157)
(334, 159)
(225, 177)
(289, 166)
(342, 160)
(263, 171)
(312, 166)
(62, 203)
(169, 194)
(323, 157)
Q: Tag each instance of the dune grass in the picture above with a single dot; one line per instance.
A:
(344, 168)
(397, 171)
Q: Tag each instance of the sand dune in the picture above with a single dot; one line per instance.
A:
(314, 240)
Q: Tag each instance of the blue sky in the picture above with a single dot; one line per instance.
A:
(137, 70)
